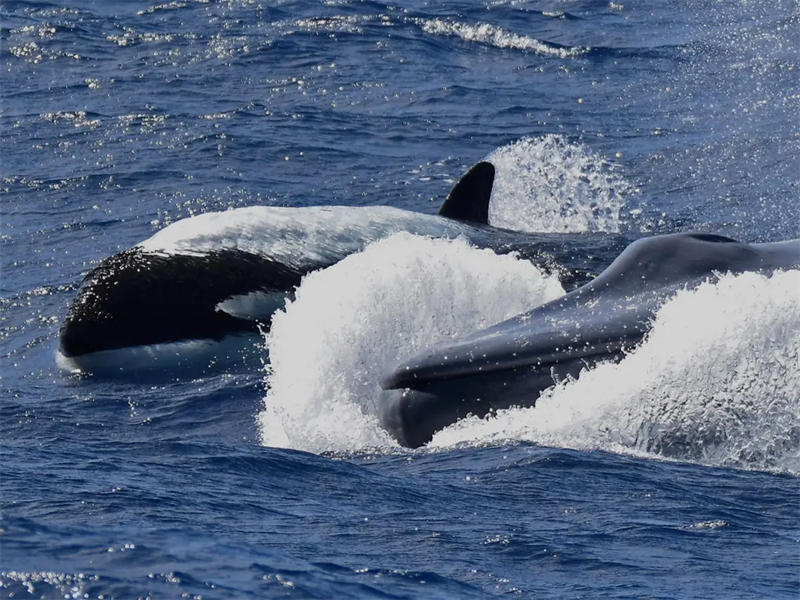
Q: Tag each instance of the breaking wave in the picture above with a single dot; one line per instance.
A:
(495, 36)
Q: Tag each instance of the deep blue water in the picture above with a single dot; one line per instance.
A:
(120, 117)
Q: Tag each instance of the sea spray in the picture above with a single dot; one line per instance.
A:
(549, 184)
(349, 324)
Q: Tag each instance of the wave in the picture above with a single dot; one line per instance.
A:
(337, 23)
(716, 382)
(299, 237)
(350, 323)
(548, 184)
(495, 36)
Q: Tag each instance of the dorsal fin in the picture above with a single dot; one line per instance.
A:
(469, 198)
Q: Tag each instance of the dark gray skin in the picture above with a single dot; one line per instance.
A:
(511, 363)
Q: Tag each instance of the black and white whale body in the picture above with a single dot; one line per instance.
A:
(509, 364)
(197, 291)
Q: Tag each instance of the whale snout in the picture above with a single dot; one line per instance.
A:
(434, 390)
(137, 299)
(412, 415)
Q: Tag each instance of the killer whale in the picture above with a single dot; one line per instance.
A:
(511, 363)
(173, 299)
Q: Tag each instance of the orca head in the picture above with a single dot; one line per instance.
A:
(469, 198)
(137, 298)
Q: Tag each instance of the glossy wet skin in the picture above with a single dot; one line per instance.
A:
(509, 364)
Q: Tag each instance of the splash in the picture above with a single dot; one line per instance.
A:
(351, 322)
(498, 37)
(716, 382)
(549, 184)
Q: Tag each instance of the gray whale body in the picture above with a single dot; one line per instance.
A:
(511, 363)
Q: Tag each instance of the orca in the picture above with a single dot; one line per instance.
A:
(173, 299)
(511, 363)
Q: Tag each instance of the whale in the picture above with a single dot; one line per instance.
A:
(197, 294)
(511, 363)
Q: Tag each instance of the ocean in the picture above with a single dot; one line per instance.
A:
(672, 474)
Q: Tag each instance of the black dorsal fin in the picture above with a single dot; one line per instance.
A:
(469, 198)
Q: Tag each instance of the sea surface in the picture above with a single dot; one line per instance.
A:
(673, 474)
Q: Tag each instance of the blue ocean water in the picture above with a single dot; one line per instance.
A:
(118, 118)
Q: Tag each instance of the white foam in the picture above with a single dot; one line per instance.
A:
(544, 184)
(350, 323)
(716, 382)
(549, 184)
(498, 37)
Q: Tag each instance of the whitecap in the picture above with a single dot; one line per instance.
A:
(492, 35)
